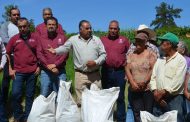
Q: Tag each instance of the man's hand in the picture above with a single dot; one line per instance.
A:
(37, 72)
(51, 66)
(12, 73)
(51, 50)
(142, 85)
(159, 94)
(55, 71)
(91, 64)
(135, 86)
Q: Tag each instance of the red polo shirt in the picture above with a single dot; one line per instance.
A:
(45, 57)
(41, 29)
(24, 60)
(116, 51)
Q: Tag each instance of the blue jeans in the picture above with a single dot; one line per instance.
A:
(113, 78)
(17, 89)
(173, 103)
(3, 115)
(50, 81)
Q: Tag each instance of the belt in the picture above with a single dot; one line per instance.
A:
(115, 69)
(87, 72)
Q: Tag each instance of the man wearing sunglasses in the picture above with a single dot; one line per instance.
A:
(41, 29)
(113, 73)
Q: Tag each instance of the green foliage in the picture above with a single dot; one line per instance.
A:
(32, 26)
(165, 16)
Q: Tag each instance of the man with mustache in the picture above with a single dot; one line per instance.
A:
(52, 66)
(25, 69)
(88, 55)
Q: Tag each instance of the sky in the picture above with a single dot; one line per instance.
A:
(129, 13)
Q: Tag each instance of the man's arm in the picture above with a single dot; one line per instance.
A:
(64, 48)
(4, 32)
(3, 57)
(102, 53)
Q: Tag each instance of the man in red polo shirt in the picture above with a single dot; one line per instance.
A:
(25, 68)
(41, 29)
(113, 72)
(53, 66)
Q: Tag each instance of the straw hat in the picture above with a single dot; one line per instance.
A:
(146, 29)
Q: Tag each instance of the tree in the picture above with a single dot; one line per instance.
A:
(6, 16)
(165, 16)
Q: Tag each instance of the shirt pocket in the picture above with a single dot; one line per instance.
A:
(170, 72)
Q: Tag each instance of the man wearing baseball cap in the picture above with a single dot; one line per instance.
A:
(168, 78)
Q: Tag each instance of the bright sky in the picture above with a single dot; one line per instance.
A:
(130, 13)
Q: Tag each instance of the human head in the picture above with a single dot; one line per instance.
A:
(113, 29)
(47, 12)
(140, 42)
(182, 48)
(169, 42)
(23, 26)
(52, 24)
(14, 15)
(85, 29)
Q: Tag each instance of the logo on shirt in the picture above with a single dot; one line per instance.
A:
(59, 41)
(120, 41)
(31, 40)
(17, 41)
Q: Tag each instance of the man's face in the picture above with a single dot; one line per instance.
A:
(23, 27)
(166, 46)
(15, 15)
(51, 26)
(47, 14)
(113, 29)
(86, 30)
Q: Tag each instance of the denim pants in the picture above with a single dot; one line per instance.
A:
(50, 82)
(3, 115)
(113, 78)
(29, 80)
(173, 103)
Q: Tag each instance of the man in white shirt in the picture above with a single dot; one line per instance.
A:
(8, 29)
(167, 80)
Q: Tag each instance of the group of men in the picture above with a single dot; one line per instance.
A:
(46, 50)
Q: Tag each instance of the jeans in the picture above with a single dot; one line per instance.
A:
(3, 115)
(113, 78)
(141, 101)
(50, 81)
(17, 90)
(173, 103)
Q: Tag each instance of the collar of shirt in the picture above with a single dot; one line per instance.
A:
(82, 39)
(171, 57)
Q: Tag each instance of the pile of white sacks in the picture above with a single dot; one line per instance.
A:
(97, 106)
